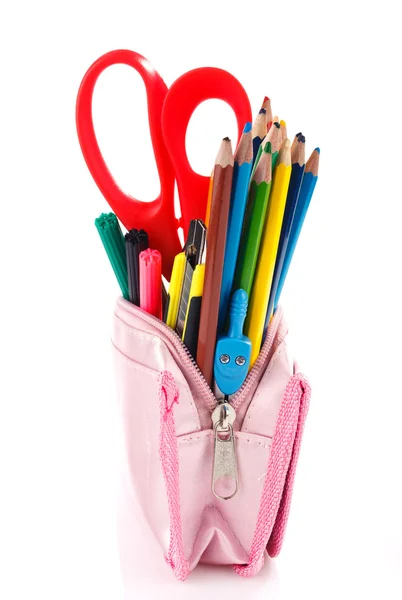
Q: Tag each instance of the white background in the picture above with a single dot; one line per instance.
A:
(332, 71)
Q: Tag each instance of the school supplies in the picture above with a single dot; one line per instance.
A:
(169, 112)
(269, 244)
(216, 240)
(176, 283)
(259, 131)
(273, 136)
(267, 105)
(259, 194)
(113, 241)
(241, 175)
(306, 192)
(192, 322)
(233, 351)
(151, 282)
(298, 160)
(194, 250)
(136, 242)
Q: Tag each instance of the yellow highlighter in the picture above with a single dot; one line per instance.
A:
(192, 322)
(254, 326)
(176, 282)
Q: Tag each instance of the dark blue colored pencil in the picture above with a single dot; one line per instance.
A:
(296, 178)
(259, 131)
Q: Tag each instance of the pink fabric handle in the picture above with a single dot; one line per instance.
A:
(276, 496)
(168, 396)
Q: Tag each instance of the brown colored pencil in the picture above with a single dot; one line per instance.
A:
(216, 241)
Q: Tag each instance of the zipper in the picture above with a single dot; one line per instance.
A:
(223, 411)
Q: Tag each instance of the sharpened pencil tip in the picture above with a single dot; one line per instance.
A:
(262, 111)
(266, 98)
(247, 127)
(318, 150)
(226, 139)
(277, 125)
(268, 147)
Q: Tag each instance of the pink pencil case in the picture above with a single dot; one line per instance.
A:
(181, 468)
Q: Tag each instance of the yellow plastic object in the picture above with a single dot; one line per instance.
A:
(175, 286)
(196, 290)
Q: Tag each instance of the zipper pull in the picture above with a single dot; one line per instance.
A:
(224, 475)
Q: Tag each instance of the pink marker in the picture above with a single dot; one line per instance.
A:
(151, 282)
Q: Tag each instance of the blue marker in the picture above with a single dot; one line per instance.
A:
(241, 177)
(233, 351)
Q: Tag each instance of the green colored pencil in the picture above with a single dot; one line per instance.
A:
(260, 189)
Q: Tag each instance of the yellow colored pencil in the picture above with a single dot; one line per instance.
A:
(211, 187)
(257, 308)
(284, 131)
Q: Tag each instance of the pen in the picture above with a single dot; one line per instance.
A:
(112, 238)
(151, 282)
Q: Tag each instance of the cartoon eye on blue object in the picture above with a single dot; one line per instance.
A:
(233, 351)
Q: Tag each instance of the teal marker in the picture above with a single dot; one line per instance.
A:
(233, 351)
(243, 161)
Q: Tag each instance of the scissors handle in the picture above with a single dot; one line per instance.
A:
(156, 217)
(183, 97)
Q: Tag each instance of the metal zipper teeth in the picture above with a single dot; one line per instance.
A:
(260, 363)
(207, 394)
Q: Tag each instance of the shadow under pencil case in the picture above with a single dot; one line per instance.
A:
(181, 468)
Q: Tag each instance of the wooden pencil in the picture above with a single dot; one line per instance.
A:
(260, 189)
(267, 105)
(257, 309)
(273, 136)
(295, 141)
(216, 241)
(307, 188)
(296, 177)
(240, 186)
(284, 131)
(259, 131)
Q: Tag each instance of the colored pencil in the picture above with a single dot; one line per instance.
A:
(216, 240)
(241, 176)
(255, 320)
(273, 136)
(296, 177)
(259, 131)
(211, 185)
(259, 194)
(284, 131)
(306, 192)
(267, 105)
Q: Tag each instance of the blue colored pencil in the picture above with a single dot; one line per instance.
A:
(306, 192)
(259, 131)
(241, 177)
(296, 178)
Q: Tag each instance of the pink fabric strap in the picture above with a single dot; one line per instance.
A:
(276, 495)
(168, 451)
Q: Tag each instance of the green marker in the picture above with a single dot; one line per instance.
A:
(113, 241)
(257, 205)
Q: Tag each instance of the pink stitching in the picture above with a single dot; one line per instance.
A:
(278, 532)
(169, 456)
(275, 500)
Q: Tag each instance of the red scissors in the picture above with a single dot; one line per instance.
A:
(169, 112)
